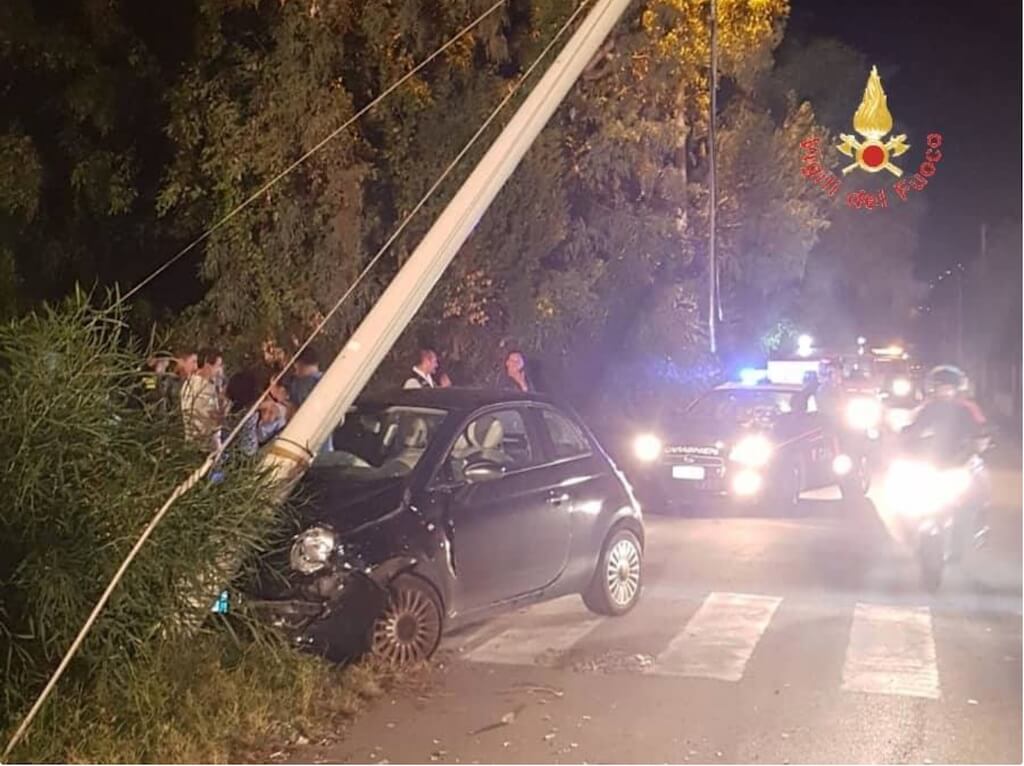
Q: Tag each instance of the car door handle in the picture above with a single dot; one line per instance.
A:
(556, 498)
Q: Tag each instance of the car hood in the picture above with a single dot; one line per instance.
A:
(348, 505)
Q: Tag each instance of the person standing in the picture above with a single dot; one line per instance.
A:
(186, 362)
(516, 377)
(307, 375)
(242, 392)
(423, 371)
(201, 406)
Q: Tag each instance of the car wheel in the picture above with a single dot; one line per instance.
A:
(615, 586)
(409, 629)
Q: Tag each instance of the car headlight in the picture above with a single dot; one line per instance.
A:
(752, 451)
(647, 447)
(864, 414)
(901, 387)
(312, 549)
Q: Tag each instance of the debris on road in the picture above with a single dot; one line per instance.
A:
(506, 720)
(549, 736)
(612, 662)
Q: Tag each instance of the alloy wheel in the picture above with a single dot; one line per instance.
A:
(409, 629)
(623, 572)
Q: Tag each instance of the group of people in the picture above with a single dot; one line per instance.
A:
(213, 404)
(427, 373)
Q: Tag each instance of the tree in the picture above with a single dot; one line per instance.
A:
(81, 143)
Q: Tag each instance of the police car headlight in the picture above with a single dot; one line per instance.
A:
(753, 451)
(901, 387)
(312, 549)
(864, 414)
(647, 447)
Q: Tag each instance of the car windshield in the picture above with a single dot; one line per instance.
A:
(742, 405)
(382, 442)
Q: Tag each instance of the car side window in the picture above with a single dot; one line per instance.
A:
(500, 437)
(566, 437)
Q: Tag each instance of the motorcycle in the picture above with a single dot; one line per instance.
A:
(939, 496)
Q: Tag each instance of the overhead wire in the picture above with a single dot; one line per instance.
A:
(214, 457)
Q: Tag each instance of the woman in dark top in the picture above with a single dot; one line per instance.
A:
(516, 377)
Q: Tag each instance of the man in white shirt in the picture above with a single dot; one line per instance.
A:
(423, 372)
(201, 406)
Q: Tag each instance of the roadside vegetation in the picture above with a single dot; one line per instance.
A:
(86, 461)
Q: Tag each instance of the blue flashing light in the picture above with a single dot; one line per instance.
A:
(751, 377)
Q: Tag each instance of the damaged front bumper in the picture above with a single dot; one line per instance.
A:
(338, 627)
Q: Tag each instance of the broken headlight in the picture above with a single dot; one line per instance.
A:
(312, 549)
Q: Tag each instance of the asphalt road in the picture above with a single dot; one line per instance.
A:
(796, 640)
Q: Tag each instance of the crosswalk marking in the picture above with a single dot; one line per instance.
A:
(891, 651)
(719, 639)
(532, 644)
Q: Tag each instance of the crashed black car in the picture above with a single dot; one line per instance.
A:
(747, 443)
(441, 506)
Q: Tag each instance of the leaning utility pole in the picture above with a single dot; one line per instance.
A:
(713, 189)
(292, 451)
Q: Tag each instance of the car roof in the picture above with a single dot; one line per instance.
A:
(782, 388)
(452, 398)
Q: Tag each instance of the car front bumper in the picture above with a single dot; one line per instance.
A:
(657, 486)
(338, 628)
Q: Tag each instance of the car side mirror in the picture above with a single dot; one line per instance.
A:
(482, 470)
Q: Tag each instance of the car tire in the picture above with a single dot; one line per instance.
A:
(409, 629)
(616, 584)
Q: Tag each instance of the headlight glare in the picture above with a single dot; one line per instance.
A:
(647, 447)
(864, 414)
(754, 451)
(312, 549)
(901, 387)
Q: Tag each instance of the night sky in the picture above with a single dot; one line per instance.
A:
(950, 67)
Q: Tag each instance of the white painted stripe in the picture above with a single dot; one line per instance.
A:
(534, 645)
(719, 639)
(892, 651)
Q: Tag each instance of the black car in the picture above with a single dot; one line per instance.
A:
(760, 442)
(440, 506)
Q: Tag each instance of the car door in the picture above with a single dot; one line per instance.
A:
(499, 528)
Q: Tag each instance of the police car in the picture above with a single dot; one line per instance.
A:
(747, 441)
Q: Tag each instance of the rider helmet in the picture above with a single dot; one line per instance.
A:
(946, 379)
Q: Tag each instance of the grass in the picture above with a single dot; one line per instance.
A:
(203, 702)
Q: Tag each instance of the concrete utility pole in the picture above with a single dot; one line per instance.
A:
(292, 451)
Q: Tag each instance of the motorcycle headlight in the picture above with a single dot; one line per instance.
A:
(917, 488)
(910, 487)
(863, 414)
(647, 447)
(753, 451)
(312, 549)
(901, 387)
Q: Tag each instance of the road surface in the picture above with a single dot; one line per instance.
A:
(797, 640)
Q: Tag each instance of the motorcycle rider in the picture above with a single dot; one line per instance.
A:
(958, 427)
